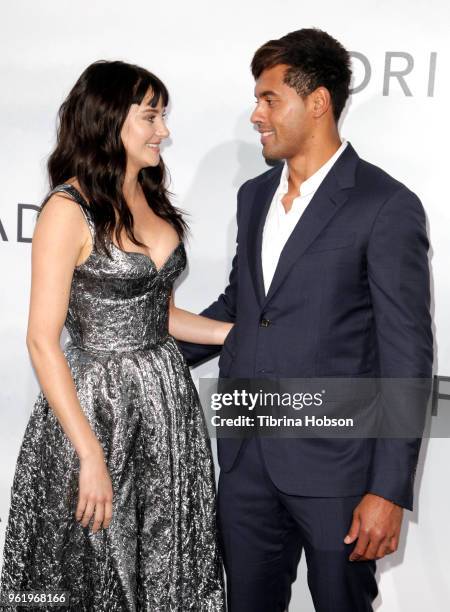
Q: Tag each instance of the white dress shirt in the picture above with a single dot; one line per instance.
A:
(280, 224)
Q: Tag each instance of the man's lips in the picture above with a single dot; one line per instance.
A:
(266, 135)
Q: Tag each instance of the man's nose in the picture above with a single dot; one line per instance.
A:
(257, 115)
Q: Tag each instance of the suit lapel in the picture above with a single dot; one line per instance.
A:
(330, 196)
(261, 204)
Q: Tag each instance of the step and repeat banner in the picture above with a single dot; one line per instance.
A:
(396, 118)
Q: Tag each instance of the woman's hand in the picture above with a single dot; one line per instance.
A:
(225, 329)
(95, 492)
(189, 327)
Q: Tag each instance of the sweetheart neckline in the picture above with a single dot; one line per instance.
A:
(151, 261)
(157, 270)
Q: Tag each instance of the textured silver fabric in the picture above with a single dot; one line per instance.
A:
(160, 552)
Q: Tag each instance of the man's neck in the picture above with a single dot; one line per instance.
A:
(305, 164)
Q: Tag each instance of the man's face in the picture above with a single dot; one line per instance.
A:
(281, 116)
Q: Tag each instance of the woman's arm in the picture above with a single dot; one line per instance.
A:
(59, 240)
(189, 327)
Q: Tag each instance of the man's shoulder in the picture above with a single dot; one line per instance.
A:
(373, 179)
(381, 191)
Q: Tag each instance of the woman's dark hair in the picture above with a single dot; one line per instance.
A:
(314, 58)
(89, 147)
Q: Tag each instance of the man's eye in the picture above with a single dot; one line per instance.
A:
(269, 102)
(151, 118)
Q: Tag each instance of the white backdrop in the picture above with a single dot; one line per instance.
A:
(202, 51)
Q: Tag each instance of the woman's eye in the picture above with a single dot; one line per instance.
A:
(151, 118)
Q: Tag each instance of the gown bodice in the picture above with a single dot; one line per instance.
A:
(122, 303)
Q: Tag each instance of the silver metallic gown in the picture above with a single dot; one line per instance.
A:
(160, 551)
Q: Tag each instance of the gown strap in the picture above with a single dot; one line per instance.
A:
(75, 195)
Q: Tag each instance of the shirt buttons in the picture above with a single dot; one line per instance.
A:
(265, 323)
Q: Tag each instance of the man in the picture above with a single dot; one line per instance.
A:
(330, 279)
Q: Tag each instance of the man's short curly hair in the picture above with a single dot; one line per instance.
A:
(314, 58)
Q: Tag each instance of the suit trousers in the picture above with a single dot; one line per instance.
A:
(263, 532)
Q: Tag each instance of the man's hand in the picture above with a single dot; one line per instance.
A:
(376, 525)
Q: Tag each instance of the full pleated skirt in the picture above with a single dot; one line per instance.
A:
(160, 552)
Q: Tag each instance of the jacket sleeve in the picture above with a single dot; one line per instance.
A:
(223, 309)
(399, 283)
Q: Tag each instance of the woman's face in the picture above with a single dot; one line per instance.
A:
(142, 133)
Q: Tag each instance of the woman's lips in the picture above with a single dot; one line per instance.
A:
(153, 147)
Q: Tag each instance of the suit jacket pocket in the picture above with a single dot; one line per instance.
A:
(331, 242)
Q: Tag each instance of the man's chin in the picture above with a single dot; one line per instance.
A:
(271, 157)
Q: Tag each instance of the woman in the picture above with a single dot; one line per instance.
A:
(116, 439)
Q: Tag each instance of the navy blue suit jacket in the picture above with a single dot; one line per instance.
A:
(350, 297)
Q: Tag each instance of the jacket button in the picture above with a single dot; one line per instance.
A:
(265, 323)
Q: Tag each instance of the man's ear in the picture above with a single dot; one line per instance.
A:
(320, 102)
